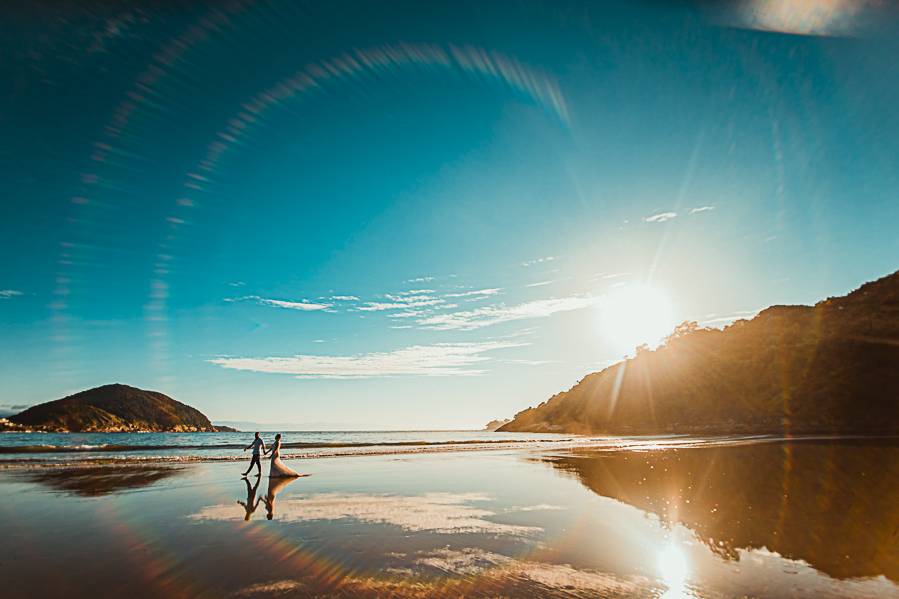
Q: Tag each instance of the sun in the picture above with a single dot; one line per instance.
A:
(634, 314)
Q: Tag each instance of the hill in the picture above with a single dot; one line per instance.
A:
(114, 408)
(832, 367)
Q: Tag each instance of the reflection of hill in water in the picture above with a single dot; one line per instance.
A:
(832, 504)
(99, 480)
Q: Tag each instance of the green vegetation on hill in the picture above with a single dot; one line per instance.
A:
(114, 408)
(833, 367)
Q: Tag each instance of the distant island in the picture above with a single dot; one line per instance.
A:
(112, 409)
(828, 368)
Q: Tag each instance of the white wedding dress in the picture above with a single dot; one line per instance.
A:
(278, 469)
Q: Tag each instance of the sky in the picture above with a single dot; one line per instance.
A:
(376, 215)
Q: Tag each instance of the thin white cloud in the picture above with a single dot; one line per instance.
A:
(419, 280)
(538, 260)
(475, 293)
(407, 314)
(441, 359)
(539, 284)
(401, 302)
(490, 315)
(660, 217)
(699, 209)
(416, 292)
(344, 298)
(729, 319)
(532, 362)
(303, 305)
(8, 293)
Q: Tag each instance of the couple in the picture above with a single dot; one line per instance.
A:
(278, 469)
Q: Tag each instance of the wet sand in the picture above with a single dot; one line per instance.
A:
(807, 519)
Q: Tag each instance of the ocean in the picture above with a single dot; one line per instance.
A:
(666, 517)
(143, 447)
(68, 448)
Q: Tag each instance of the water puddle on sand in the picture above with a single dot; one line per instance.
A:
(811, 519)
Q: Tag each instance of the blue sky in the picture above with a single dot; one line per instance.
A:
(386, 216)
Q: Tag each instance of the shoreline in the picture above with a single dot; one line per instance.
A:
(591, 444)
(676, 514)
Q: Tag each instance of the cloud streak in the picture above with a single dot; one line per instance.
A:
(468, 320)
(538, 261)
(724, 320)
(442, 359)
(660, 217)
(475, 293)
(700, 209)
(302, 306)
(9, 293)
(401, 301)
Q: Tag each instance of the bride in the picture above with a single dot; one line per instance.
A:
(278, 468)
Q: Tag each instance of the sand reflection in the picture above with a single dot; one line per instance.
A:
(469, 572)
(431, 512)
(92, 481)
(827, 504)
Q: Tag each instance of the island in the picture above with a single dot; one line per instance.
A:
(828, 368)
(112, 408)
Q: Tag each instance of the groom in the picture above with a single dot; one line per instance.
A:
(257, 445)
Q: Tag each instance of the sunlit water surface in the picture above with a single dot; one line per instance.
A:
(801, 519)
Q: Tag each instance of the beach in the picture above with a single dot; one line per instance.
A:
(768, 518)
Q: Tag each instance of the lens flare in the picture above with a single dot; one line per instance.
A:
(314, 78)
(632, 315)
(673, 569)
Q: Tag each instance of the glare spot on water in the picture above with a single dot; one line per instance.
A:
(673, 569)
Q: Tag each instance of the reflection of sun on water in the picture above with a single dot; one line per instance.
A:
(673, 570)
(635, 314)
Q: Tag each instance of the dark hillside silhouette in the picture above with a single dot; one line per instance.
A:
(832, 368)
(114, 408)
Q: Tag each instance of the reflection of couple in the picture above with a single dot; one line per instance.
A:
(278, 469)
(274, 486)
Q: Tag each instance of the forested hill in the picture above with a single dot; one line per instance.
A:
(113, 408)
(830, 368)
